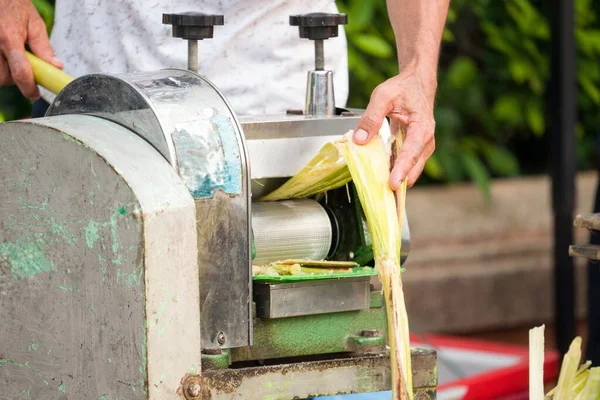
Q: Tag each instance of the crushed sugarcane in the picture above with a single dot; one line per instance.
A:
(369, 167)
(326, 171)
(276, 269)
(320, 263)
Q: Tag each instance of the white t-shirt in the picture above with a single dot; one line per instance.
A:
(256, 59)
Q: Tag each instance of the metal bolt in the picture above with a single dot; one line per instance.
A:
(370, 333)
(319, 55)
(221, 338)
(193, 389)
(193, 55)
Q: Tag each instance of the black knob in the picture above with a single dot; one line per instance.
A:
(193, 25)
(318, 26)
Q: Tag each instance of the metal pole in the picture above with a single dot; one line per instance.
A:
(193, 55)
(319, 55)
(562, 117)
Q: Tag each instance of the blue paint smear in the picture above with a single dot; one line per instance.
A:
(210, 161)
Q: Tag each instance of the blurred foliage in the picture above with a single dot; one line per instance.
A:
(494, 70)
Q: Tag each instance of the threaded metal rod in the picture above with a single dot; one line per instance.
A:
(319, 55)
(193, 55)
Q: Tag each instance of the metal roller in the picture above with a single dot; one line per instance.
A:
(290, 229)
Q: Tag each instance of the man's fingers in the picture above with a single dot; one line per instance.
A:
(38, 41)
(22, 74)
(378, 108)
(414, 173)
(418, 135)
(5, 79)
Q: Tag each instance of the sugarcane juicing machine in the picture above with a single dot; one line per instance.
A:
(128, 233)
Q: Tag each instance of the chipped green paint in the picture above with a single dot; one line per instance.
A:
(110, 361)
(70, 138)
(32, 346)
(131, 279)
(122, 210)
(62, 388)
(42, 207)
(103, 397)
(91, 234)
(23, 365)
(62, 231)
(309, 334)
(144, 352)
(25, 257)
(25, 392)
(65, 288)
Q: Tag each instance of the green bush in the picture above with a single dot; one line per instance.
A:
(494, 70)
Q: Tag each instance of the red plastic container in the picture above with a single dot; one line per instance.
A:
(473, 369)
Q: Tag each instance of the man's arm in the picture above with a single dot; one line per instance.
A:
(408, 98)
(20, 23)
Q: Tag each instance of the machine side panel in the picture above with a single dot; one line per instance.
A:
(103, 302)
(223, 256)
(71, 272)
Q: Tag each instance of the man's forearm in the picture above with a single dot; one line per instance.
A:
(418, 26)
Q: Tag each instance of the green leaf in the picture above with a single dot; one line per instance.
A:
(477, 172)
(508, 109)
(450, 164)
(447, 35)
(2, 117)
(373, 45)
(46, 11)
(362, 15)
(535, 118)
(501, 160)
(433, 168)
(590, 88)
(462, 72)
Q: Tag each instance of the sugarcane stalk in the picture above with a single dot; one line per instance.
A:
(398, 331)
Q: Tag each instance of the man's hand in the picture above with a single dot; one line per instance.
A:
(20, 23)
(408, 100)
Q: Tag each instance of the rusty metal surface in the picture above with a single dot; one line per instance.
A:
(317, 378)
(588, 221)
(588, 251)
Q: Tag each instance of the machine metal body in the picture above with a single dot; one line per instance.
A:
(127, 231)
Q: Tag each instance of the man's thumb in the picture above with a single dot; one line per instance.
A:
(367, 127)
(372, 119)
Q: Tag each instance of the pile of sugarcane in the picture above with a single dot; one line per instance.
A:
(368, 166)
(576, 381)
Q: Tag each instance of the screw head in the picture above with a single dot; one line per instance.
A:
(193, 389)
(370, 333)
(221, 338)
